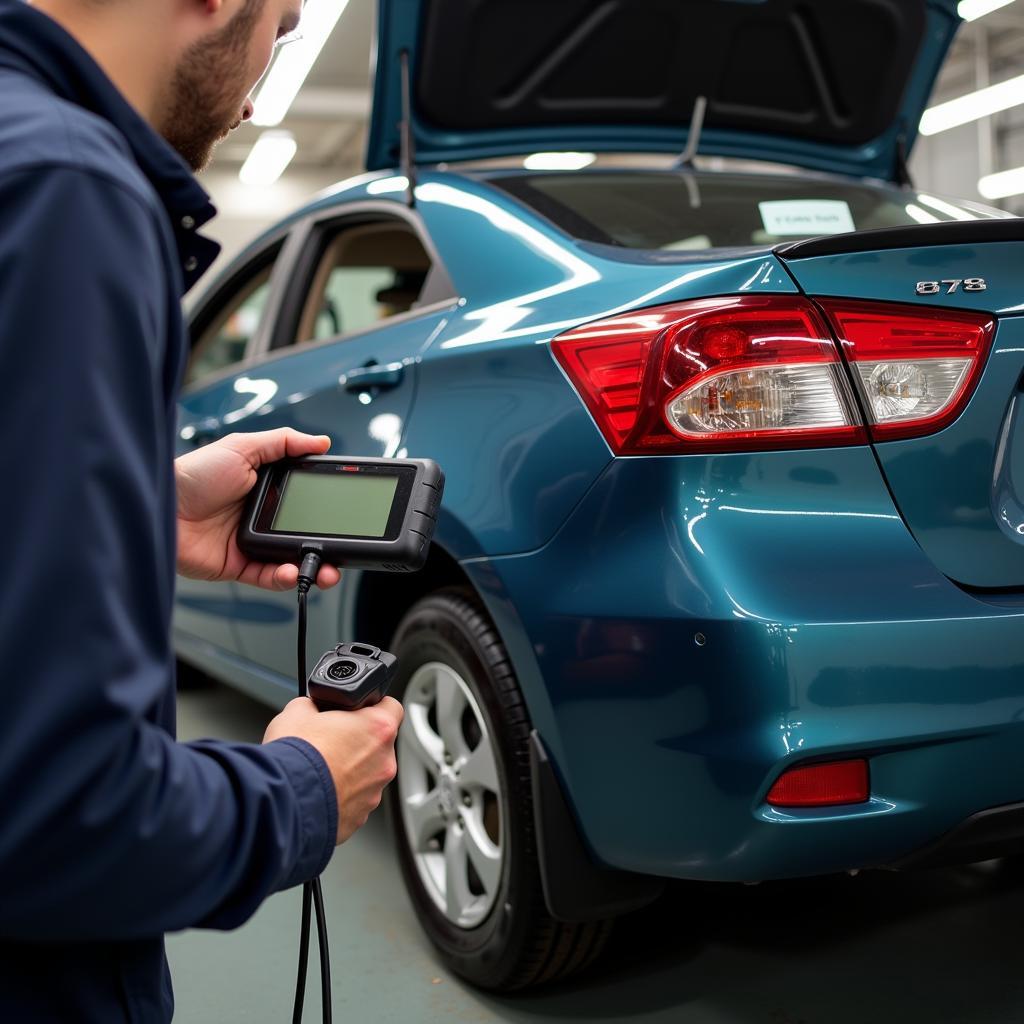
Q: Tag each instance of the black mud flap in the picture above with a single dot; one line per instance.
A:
(575, 888)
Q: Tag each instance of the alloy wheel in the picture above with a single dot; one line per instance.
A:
(450, 795)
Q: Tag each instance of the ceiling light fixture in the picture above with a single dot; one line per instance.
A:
(295, 61)
(971, 10)
(271, 154)
(973, 106)
(1003, 184)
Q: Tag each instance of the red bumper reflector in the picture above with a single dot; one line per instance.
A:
(822, 785)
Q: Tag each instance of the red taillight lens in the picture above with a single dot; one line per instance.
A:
(741, 373)
(916, 369)
(822, 785)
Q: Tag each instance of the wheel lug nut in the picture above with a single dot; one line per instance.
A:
(467, 799)
(447, 758)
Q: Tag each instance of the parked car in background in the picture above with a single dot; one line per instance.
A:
(728, 582)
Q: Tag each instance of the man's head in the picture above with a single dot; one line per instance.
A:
(208, 92)
(188, 66)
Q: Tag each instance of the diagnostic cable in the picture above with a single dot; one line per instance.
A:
(375, 514)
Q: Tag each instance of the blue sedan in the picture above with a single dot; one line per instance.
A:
(727, 582)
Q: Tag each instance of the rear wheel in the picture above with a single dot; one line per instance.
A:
(188, 677)
(462, 809)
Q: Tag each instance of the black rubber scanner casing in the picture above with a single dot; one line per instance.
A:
(407, 552)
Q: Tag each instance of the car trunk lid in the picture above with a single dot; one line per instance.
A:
(837, 86)
(960, 489)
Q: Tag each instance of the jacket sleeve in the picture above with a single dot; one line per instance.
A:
(109, 829)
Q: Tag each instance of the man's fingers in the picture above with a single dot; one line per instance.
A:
(265, 446)
(285, 577)
(269, 577)
(391, 707)
(297, 444)
(328, 577)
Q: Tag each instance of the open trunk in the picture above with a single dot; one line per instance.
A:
(837, 85)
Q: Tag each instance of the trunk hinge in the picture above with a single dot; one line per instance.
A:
(408, 146)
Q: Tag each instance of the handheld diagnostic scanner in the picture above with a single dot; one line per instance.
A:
(361, 513)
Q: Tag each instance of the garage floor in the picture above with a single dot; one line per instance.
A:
(941, 946)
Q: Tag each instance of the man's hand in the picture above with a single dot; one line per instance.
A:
(213, 483)
(358, 746)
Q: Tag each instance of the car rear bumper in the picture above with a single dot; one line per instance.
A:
(702, 623)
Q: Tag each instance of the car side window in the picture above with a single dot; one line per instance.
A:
(366, 274)
(224, 340)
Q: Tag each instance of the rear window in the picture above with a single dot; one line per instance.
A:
(678, 211)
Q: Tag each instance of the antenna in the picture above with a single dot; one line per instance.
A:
(408, 146)
(700, 108)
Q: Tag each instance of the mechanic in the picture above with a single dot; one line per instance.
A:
(113, 833)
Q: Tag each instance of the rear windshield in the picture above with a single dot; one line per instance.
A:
(677, 211)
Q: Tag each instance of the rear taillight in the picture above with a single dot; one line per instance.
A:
(754, 373)
(916, 369)
(727, 374)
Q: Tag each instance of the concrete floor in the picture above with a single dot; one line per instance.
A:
(943, 946)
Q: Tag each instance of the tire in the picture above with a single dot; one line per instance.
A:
(190, 678)
(491, 925)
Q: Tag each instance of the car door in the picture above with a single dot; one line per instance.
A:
(367, 294)
(224, 330)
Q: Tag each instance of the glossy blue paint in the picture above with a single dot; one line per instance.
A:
(398, 30)
(830, 627)
(828, 632)
(959, 489)
(522, 276)
(892, 275)
(489, 374)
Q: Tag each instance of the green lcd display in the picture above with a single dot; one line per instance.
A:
(338, 504)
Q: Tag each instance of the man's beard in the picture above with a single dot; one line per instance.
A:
(203, 104)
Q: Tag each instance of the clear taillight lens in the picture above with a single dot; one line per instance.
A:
(916, 369)
(736, 373)
(761, 400)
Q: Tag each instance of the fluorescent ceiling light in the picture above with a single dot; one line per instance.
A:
(558, 161)
(1003, 184)
(296, 60)
(973, 106)
(272, 153)
(971, 10)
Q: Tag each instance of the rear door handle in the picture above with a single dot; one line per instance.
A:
(377, 375)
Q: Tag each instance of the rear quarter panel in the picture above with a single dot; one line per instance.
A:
(493, 407)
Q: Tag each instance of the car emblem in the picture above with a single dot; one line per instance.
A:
(951, 285)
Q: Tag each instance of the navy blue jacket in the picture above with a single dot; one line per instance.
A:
(111, 832)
